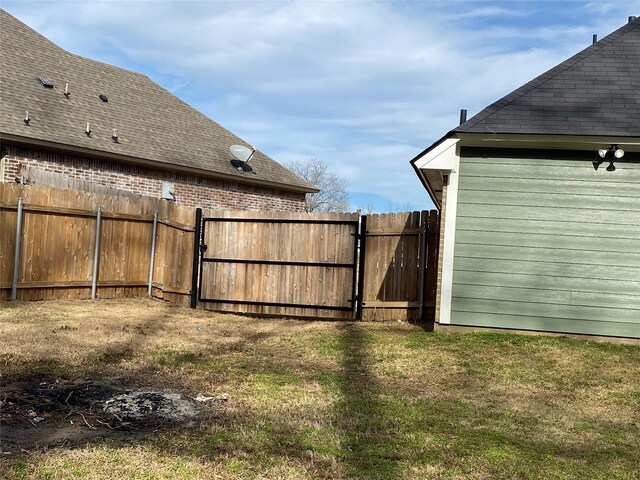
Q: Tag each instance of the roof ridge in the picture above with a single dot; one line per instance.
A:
(548, 75)
(108, 65)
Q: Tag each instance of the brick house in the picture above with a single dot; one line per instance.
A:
(68, 120)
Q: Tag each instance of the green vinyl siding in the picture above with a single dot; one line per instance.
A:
(548, 244)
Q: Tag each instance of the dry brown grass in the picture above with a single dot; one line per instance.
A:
(334, 400)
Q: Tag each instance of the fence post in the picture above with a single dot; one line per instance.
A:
(16, 257)
(153, 251)
(424, 218)
(96, 255)
(363, 245)
(431, 274)
(196, 258)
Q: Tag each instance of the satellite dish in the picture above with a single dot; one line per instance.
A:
(241, 152)
(243, 155)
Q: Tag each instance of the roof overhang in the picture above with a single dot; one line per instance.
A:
(442, 157)
(44, 144)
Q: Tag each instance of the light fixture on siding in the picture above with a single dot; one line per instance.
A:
(88, 130)
(618, 153)
(114, 136)
(27, 120)
(66, 90)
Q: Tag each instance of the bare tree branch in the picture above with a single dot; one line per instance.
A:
(333, 195)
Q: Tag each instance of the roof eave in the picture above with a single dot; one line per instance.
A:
(544, 141)
(31, 142)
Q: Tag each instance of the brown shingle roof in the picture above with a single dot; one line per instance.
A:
(152, 124)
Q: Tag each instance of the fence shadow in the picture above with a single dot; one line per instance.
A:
(366, 429)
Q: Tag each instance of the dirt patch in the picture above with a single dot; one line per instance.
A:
(42, 411)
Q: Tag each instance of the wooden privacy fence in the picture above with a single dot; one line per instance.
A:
(58, 243)
(66, 244)
(341, 266)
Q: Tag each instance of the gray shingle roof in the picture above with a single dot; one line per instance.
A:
(595, 92)
(152, 124)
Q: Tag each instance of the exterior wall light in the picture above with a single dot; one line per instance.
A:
(618, 153)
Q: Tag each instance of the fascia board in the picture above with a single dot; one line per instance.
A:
(559, 142)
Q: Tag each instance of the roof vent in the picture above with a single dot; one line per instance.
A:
(595, 38)
(632, 18)
(104, 98)
(46, 82)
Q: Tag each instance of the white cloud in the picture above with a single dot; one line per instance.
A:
(363, 86)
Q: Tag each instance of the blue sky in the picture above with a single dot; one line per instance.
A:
(361, 85)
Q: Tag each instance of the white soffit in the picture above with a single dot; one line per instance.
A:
(443, 156)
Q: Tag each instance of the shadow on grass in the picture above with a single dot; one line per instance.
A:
(368, 436)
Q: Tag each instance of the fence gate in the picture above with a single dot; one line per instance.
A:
(292, 264)
(398, 274)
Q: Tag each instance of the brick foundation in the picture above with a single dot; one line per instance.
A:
(190, 190)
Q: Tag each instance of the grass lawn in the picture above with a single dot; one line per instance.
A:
(331, 400)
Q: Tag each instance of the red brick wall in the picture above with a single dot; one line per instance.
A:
(190, 190)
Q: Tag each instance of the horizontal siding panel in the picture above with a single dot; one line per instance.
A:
(585, 244)
(546, 282)
(586, 162)
(548, 310)
(542, 185)
(564, 297)
(466, 208)
(554, 200)
(545, 254)
(566, 270)
(551, 171)
(546, 227)
(560, 325)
